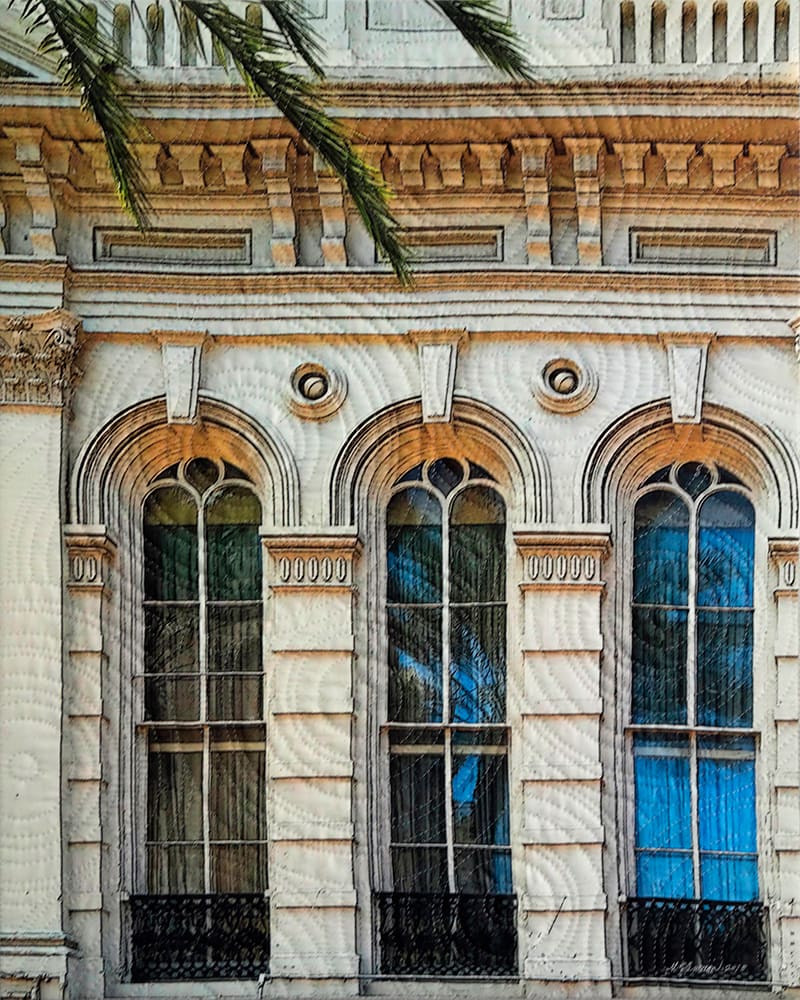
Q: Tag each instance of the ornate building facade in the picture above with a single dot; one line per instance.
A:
(433, 642)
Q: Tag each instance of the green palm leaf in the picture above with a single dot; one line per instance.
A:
(88, 63)
(296, 98)
(484, 27)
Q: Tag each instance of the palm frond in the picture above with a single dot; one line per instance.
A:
(88, 64)
(490, 34)
(291, 20)
(296, 98)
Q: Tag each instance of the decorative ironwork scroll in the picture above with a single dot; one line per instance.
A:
(696, 939)
(186, 937)
(447, 934)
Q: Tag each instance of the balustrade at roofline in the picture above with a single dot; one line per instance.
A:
(642, 32)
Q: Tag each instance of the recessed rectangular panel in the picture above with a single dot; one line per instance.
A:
(455, 245)
(689, 247)
(173, 246)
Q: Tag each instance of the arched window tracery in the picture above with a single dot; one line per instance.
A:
(694, 912)
(445, 734)
(204, 855)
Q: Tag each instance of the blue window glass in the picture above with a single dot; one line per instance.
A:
(692, 666)
(446, 630)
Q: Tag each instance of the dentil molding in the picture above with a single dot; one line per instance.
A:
(37, 358)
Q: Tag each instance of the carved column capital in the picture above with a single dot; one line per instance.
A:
(37, 355)
(90, 551)
(558, 557)
(312, 559)
(785, 555)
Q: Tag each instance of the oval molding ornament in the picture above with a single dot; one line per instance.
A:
(564, 386)
(316, 391)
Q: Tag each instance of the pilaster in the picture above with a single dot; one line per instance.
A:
(313, 919)
(786, 913)
(563, 897)
(90, 553)
(36, 373)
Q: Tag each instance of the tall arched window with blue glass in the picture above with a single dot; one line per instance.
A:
(200, 909)
(450, 909)
(694, 912)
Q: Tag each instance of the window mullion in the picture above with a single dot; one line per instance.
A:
(203, 629)
(448, 755)
(691, 625)
(695, 800)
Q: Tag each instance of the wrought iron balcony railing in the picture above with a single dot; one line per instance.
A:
(446, 934)
(189, 937)
(696, 939)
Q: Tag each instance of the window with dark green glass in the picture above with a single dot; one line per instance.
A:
(694, 911)
(205, 843)
(445, 734)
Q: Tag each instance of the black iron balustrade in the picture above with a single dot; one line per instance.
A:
(696, 939)
(447, 934)
(223, 936)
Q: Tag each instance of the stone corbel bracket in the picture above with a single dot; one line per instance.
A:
(180, 361)
(687, 356)
(37, 358)
(555, 557)
(31, 149)
(90, 553)
(437, 351)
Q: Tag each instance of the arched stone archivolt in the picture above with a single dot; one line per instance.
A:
(118, 462)
(645, 439)
(395, 439)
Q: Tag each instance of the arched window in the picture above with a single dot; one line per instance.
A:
(202, 911)
(694, 911)
(450, 910)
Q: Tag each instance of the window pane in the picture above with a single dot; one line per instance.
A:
(172, 699)
(415, 664)
(238, 867)
(659, 665)
(727, 798)
(171, 639)
(233, 516)
(177, 868)
(483, 872)
(234, 637)
(237, 794)
(235, 697)
(414, 548)
(477, 546)
(417, 785)
(725, 668)
(728, 878)
(663, 794)
(480, 798)
(419, 869)
(175, 796)
(170, 546)
(725, 550)
(478, 664)
(661, 550)
(666, 873)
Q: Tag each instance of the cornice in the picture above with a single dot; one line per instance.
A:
(37, 355)
(668, 89)
(354, 283)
